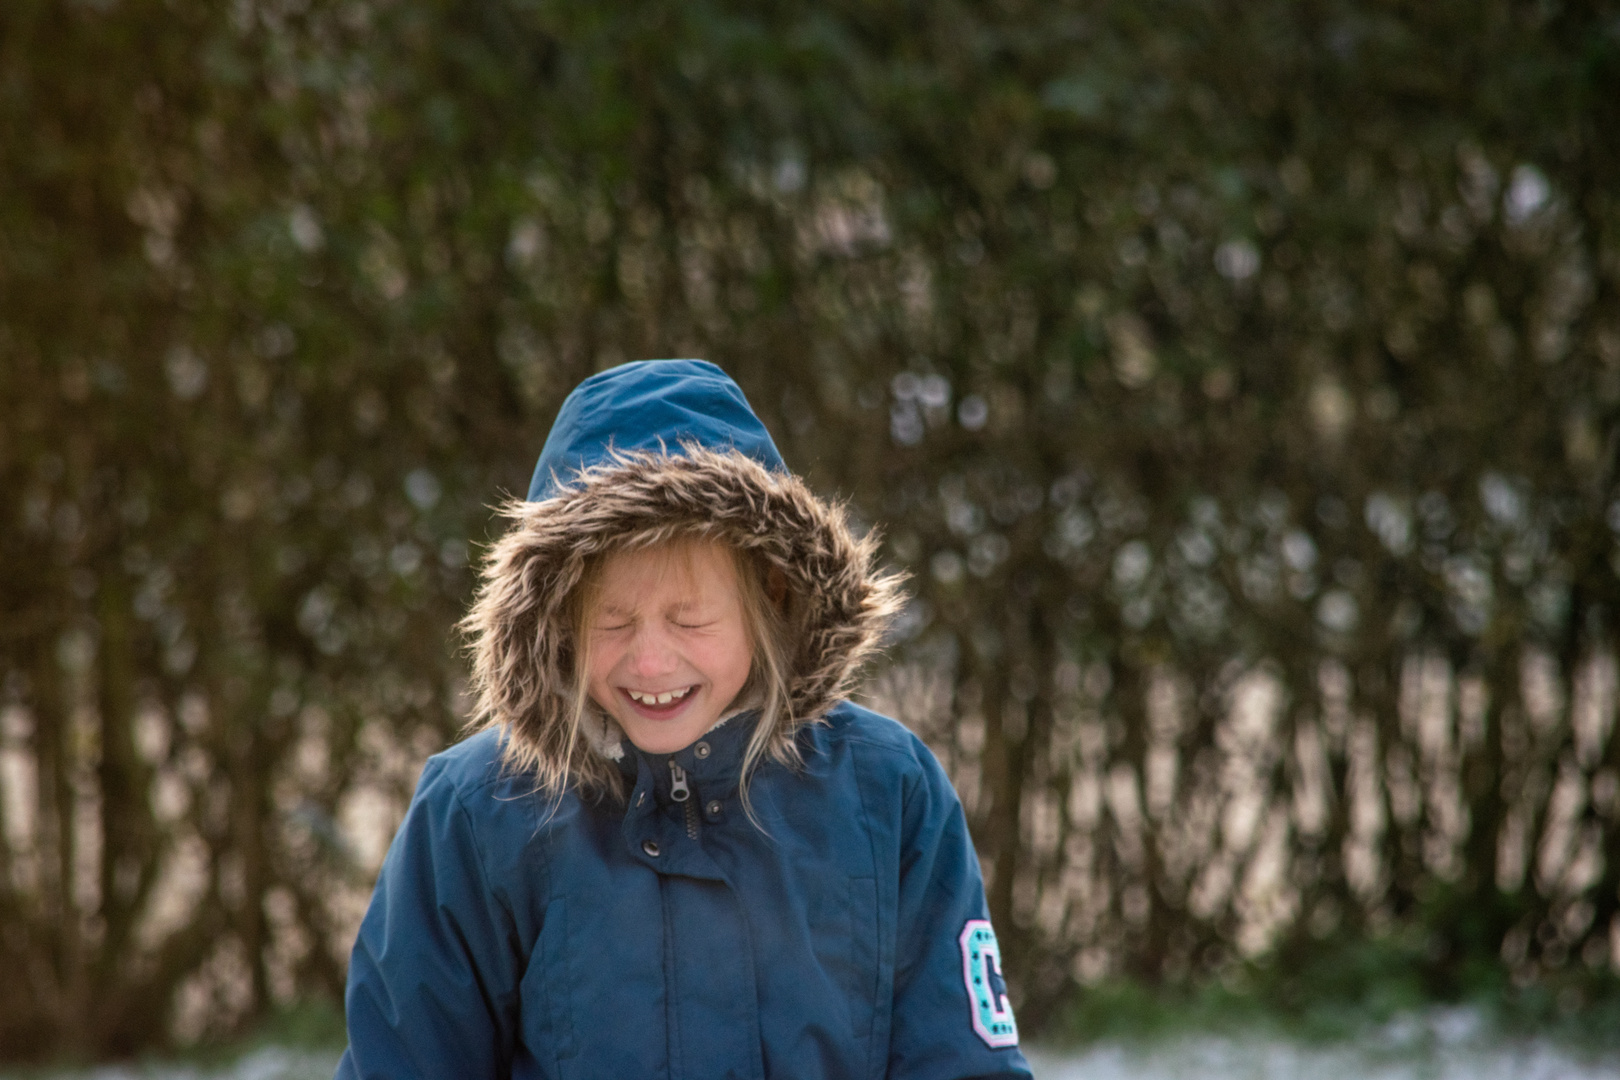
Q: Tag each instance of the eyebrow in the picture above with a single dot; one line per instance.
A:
(680, 607)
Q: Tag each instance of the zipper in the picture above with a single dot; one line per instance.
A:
(681, 793)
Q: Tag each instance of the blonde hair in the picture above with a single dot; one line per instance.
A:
(576, 751)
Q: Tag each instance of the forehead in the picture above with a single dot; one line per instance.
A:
(688, 571)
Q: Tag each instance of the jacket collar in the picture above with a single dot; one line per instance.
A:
(712, 764)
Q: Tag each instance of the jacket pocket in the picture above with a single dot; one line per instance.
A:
(548, 990)
(864, 954)
(843, 922)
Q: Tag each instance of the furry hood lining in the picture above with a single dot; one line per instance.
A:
(520, 640)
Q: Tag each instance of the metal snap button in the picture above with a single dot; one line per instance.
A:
(701, 750)
(714, 807)
(650, 847)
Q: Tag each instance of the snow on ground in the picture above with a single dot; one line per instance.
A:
(1210, 1058)
(1447, 1044)
(267, 1063)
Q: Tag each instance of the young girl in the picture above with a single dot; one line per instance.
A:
(674, 849)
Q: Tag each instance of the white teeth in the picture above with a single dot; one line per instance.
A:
(658, 699)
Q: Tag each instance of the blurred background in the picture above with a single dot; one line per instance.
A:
(1238, 383)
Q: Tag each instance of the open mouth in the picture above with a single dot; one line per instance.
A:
(665, 702)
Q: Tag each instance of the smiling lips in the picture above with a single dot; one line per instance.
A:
(666, 702)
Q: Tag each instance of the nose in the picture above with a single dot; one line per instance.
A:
(651, 654)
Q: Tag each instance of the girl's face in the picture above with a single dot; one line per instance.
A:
(668, 643)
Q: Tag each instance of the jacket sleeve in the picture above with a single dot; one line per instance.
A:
(433, 979)
(951, 1016)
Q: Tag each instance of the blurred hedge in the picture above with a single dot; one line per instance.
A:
(1238, 381)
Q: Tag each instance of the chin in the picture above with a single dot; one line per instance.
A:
(651, 737)
(659, 743)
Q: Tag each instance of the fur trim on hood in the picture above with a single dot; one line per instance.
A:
(521, 642)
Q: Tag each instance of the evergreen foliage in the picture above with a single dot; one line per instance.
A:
(1239, 382)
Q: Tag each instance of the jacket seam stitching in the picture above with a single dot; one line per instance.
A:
(478, 851)
(907, 753)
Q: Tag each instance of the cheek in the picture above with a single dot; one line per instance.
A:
(734, 656)
(722, 658)
(600, 664)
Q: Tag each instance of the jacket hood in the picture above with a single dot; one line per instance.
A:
(641, 454)
(653, 407)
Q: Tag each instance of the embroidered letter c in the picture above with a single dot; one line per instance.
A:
(987, 988)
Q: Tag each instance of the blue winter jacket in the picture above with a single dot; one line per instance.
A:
(651, 929)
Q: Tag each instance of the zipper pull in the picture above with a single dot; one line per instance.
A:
(677, 783)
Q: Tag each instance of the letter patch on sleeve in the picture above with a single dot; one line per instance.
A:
(987, 989)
